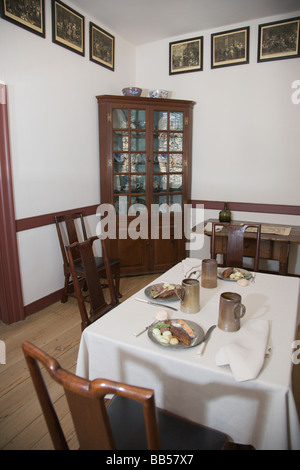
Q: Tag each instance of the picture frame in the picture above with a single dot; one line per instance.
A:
(31, 18)
(279, 40)
(230, 48)
(67, 27)
(186, 56)
(102, 47)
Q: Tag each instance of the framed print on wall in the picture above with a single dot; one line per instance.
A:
(186, 56)
(29, 16)
(278, 40)
(230, 48)
(67, 27)
(102, 47)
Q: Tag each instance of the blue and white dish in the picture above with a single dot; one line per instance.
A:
(132, 91)
(158, 93)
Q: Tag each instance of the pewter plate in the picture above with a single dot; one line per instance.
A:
(148, 290)
(199, 336)
(246, 274)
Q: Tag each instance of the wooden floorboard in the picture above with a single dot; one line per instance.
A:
(57, 331)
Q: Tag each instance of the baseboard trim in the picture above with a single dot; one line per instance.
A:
(42, 303)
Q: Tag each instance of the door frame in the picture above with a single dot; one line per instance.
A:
(11, 297)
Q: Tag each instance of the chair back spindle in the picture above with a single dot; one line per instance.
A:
(235, 243)
(98, 304)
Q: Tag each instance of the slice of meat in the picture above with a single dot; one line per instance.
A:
(227, 272)
(180, 334)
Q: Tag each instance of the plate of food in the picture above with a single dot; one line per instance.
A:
(176, 333)
(162, 290)
(234, 274)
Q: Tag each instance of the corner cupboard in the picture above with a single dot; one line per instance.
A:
(145, 177)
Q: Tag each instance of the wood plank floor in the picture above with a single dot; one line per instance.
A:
(57, 331)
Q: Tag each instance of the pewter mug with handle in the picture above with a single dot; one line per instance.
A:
(231, 310)
(189, 295)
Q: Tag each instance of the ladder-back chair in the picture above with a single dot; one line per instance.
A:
(130, 421)
(235, 243)
(98, 305)
(67, 235)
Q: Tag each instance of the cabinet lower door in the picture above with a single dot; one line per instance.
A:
(165, 254)
(161, 250)
(133, 255)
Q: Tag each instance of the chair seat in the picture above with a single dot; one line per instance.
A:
(175, 432)
(99, 263)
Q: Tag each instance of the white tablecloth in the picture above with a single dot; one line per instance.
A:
(260, 412)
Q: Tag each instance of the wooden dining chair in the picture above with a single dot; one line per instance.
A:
(235, 243)
(131, 420)
(67, 235)
(98, 305)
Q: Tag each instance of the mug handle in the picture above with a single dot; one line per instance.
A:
(239, 311)
(181, 289)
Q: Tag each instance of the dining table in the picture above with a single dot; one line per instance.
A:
(259, 410)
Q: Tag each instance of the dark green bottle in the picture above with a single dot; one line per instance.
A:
(225, 214)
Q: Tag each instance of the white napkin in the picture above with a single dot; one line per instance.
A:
(245, 354)
(191, 264)
(208, 227)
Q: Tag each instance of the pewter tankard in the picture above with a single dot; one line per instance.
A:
(231, 310)
(189, 295)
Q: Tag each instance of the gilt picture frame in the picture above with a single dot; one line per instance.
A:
(31, 18)
(279, 40)
(230, 47)
(102, 47)
(186, 56)
(67, 27)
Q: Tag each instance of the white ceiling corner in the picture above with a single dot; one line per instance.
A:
(142, 21)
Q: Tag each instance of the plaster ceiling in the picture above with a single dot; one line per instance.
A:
(143, 21)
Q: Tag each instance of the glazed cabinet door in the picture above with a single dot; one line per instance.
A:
(145, 157)
(129, 155)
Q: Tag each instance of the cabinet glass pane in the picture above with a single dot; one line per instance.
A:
(120, 141)
(120, 118)
(160, 163)
(160, 142)
(175, 142)
(175, 163)
(138, 163)
(163, 199)
(121, 163)
(175, 182)
(159, 183)
(138, 119)
(121, 205)
(139, 202)
(138, 184)
(160, 120)
(121, 184)
(176, 202)
(176, 121)
(138, 141)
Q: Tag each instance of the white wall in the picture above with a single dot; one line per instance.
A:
(246, 141)
(53, 118)
(246, 134)
(243, 120)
